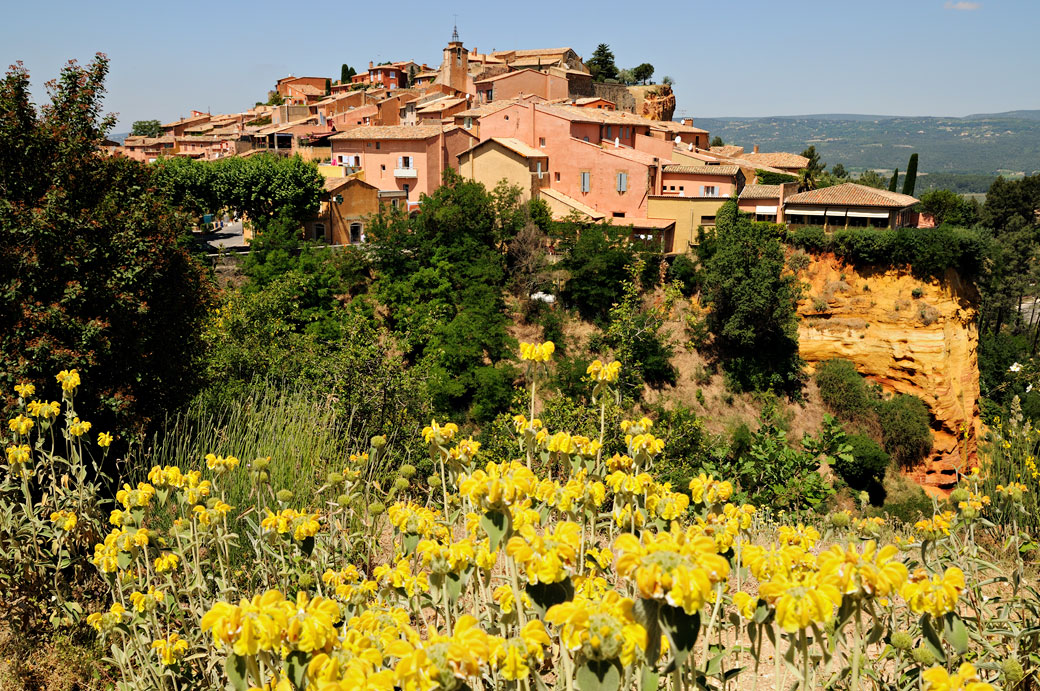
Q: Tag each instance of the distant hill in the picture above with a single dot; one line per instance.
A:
(986, 144)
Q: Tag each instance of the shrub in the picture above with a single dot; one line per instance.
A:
(916, 293)
(684, 271)
(551, 321)
(686, 445)
(843, 390)
(798, 261)
(905, 430)
(863, 467)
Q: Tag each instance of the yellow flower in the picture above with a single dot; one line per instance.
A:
(147, 602)
(603, 374)
(746, 604)
(434, 433)
(103, 622)
(548, 558)
(132, 498)
(77, 428)
(537, 352)
(871, 573)
(18, 457)
(20, 425)
(514, 658)
(935, 527)
(801, 536)
(935, 595)
(221, 464)
(104, 439)
(250, 626)
(24, 390)
(166, 562)
(602, 629)
(45, 410)
(800, 601)
(65, 519)
(69, 380)
(301, 525)
(170, 649)
(966, 679)
(708, 490)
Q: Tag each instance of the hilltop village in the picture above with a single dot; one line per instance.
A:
(534, 118)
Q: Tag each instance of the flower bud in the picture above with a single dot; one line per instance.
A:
(400, 484)
(864, 497)
(840, 519)
(261, 463)
(1012, 669)
(901, 640)
(335, 478)
(958, 495)
(434, 481)
(407, 471)
(343, 500)
(306, 581)
(284, 495)
(378, 441)
(376, 508)
(262, 477)
(924, 657)
(969, 512)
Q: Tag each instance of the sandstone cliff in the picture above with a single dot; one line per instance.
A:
(907, 335)
(658, 103)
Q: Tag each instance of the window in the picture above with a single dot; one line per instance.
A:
(622, 182)
(406, 190)
(355, 233)
(557, 177)
(507, 117)
(319, 232)
(709, 191)
(538, 169)
(618, 214)
(377, 145)
(468, 123)
(707, 220)
(609, 132)
(541, 142)
(404, 162)
(586, 182)
(584, 139)
(680, 189)
(382, 166)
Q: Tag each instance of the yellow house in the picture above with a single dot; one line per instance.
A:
(509, 159)
(688, 213)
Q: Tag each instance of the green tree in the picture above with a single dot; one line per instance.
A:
(871, 178)
(893, 182)
(146, 128)
(839, 172)
(813, 169)
(328, 87)
(601, 64)
(345, 73)
(717, 141)
(596, 264)
(643, 73)
(768, 177)
(751, 302)
(910, 181)
(949, 207)
(92, 270)
(667, 81)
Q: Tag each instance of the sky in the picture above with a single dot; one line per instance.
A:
(749, 58)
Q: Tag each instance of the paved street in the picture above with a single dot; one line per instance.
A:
(228, 237)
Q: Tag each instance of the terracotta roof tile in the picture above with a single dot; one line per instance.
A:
(761, 192)
(852, 194)
(779, 159)
(728, 150)
(383, 132)
(726, 171)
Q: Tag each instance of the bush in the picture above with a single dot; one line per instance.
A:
(551, 321)
(686, 445)
(684, 271)
(843, 390)
(905, 428)
(864, 466)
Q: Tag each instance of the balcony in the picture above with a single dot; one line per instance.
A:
(406, 173)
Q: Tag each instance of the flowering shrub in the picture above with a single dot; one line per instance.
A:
(591, 576)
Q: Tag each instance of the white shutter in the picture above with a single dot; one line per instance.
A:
(400, 161)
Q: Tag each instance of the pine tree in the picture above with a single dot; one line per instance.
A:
(910, 181)
(601, 64)
(893, 184)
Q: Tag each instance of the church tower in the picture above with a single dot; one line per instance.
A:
(455, 68)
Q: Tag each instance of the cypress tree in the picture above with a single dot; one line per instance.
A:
(910, 180)
(894, 182)
(344, 73)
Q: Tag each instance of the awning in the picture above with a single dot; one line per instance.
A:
(868, 214)
(832, 212)
(765, 209)
(803, 212)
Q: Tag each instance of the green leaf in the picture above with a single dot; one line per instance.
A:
(931, 638)
(956, 633)
(497, 525)
(123, 560)
(307, 546)
(599, 675)
(646, 612)
(649, 679)
(411, 541)
(236, 672)
(545, 595)
(681, 629)
(296, 669)
(454, 583)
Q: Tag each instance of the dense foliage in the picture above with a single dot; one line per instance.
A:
(752, 302)
(92, 272)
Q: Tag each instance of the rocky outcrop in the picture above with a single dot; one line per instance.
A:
(908, 336)
(658, 103)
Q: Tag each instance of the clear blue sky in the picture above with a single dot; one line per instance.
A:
(752, 58)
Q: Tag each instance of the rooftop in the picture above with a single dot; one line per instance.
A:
(728, 150)
(779, 159)
(852, 194)
(514, 145)
(382, 132)
(572, 203)
(726, 171)
(761, 192)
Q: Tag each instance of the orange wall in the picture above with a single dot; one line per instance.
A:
(379, 164)
(542, 84)
(656, 147)
(692, 184)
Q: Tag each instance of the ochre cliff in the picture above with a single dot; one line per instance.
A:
(908, 336)
(658, 103)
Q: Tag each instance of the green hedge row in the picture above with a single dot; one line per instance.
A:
(928, 251)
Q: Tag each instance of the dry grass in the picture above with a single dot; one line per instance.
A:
(63, 662)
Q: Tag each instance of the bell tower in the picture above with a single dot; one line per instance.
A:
(455, 68)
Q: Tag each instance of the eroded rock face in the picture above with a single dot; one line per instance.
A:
(658, 104)
(909, 336)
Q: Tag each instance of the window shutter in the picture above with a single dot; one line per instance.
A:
(400, 162)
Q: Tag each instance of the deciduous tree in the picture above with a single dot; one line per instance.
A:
(146, 128)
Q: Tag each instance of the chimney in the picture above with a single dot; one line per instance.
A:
(688, 122)
(756, 148)
(371, 64)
